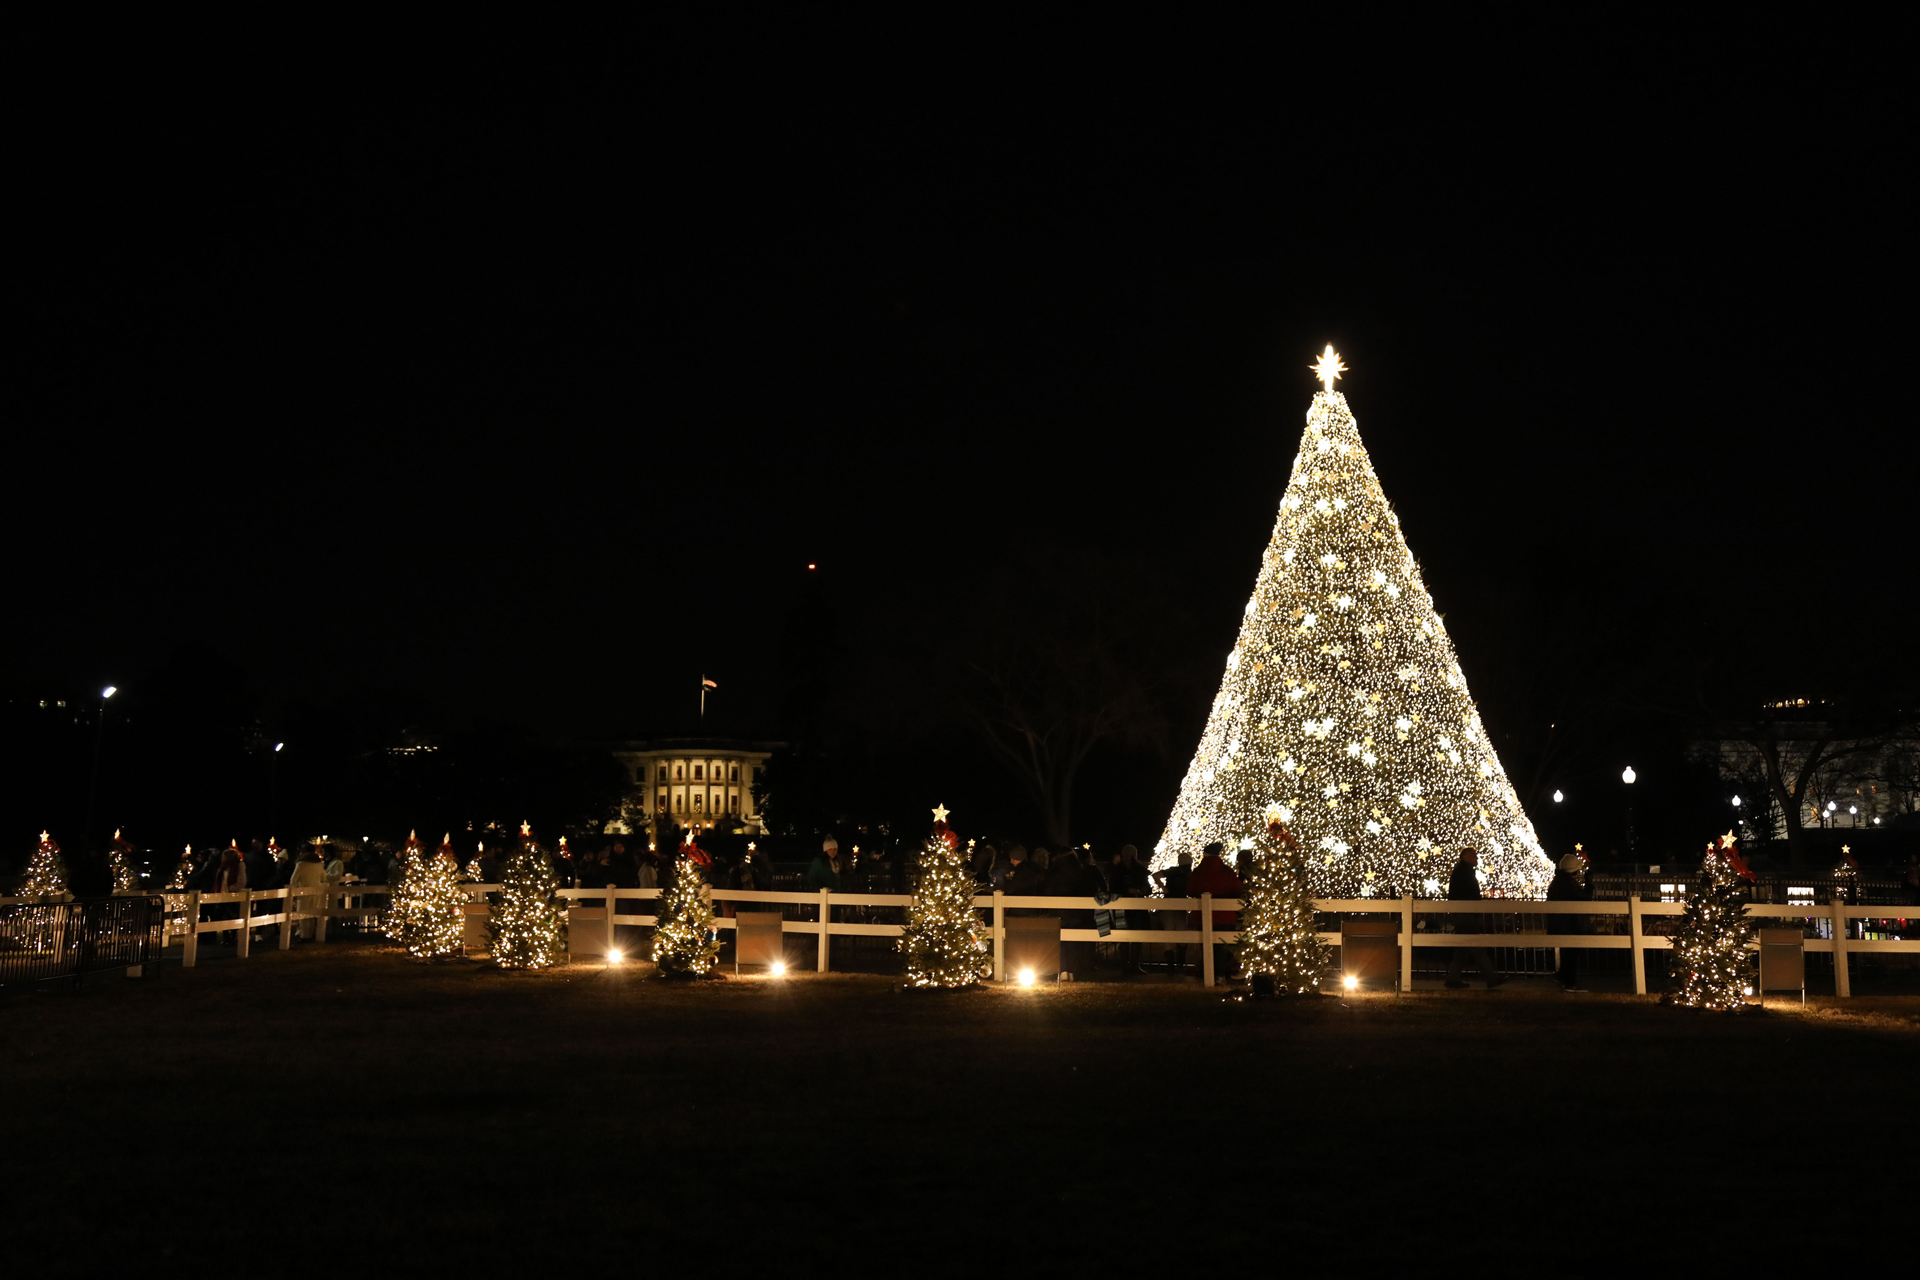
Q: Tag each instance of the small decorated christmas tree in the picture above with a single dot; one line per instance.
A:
(439, 906)
(942, 937)
(471, 872)
(528, 932)
(1846, 876)
(1280, 948)
(685, 943)
(403, 904)
(46, 872)
(181, 872)
(1711, 965)
(120, 863)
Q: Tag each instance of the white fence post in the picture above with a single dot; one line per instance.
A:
(286, 919)
(1406, 942)
(190, 949)
(245, 945)
(612, 906)
(1639, 955)
(1206, 939)
(1842, 980)
(826, 910)
(999, 935)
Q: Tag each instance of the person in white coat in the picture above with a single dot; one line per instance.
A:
(309, 875)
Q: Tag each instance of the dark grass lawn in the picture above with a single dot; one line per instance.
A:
(341, 1109)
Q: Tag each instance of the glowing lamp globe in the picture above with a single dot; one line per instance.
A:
(1736, 802)
(1627, 775)
(1557, 797)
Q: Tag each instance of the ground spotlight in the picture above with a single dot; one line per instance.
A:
(1749, 990)
(1350, 982)
(779, 970)
(1026, 977)
(614, 956)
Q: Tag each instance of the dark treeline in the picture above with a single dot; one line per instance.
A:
(1051, 697)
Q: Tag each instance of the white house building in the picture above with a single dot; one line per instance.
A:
(697, 782)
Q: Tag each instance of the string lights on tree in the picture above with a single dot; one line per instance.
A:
(120, 864)
(528, 931)
(685, 942)
(1712, 967)
(941, 941)
(1280, 949)
(1343, 712)
(46, 875)
(403, 903)
(439, 906)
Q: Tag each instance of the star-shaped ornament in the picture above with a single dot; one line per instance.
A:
(940, 813)
(526, 828)
(1726, 841)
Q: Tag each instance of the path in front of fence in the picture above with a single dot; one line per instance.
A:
(592, 926)
(341, 1107)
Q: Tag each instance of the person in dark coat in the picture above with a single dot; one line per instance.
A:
(1130, 881)
(1068, 877)
(1464, 886)
(1569, 885)
(1214, 876)
(1027, 879)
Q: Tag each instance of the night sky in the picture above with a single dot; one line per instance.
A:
(540, 406)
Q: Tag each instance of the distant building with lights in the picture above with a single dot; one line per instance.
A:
(696, 782)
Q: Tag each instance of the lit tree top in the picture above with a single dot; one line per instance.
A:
(1343, 711)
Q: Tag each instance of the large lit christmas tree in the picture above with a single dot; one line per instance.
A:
(1343, 710)
(685, 943)
(942, 937)
(402, 905)
(438, 915)
(528, 931)
(1280, 949)
(1712, 966)
(46, 871)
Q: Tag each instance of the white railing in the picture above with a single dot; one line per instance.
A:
(332, 903)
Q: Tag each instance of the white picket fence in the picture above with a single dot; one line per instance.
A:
(333, 902)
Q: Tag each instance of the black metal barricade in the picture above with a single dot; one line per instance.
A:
(45, 940)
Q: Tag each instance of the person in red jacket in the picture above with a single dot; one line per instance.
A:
(1214, 876)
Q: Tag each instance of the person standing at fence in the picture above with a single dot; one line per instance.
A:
(1024, 881)
(303, 891)
(1173, 884)
(1569, 885)
(230, 876)
(1130, 881)
(1214, 876)
(259, 870)
(1464, 886)
(824, 872)
(1068, 878)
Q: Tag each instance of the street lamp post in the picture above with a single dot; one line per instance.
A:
(1628, 776)
(273, 784)
(93, 783)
